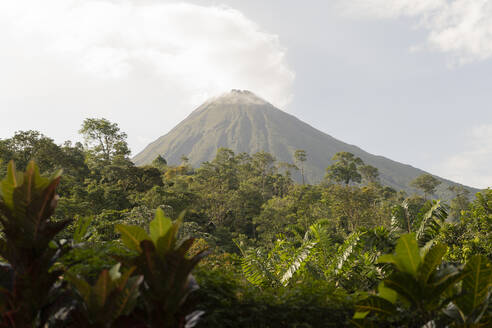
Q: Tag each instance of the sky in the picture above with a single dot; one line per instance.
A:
(406, 79)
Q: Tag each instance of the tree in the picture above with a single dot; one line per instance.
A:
(300, 156)
(369, 173)
(286, 167)
(31, 145)
(159, 162)
(345, 168)
(460, 202)
(263, 164)
(427, 183)
(104, 139)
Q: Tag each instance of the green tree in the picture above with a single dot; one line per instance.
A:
(472, 234)
(353, 208)
(345, 168)
(460, 202)
(301, 156)
(159, 162)
(50, 157)
(31, 145)
(276, 215)
(369, 173)
(104, 139)
(427, 183)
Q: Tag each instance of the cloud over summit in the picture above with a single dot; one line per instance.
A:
(122, 58)
(202, 49)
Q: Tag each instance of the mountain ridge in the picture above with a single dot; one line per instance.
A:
(244, 122)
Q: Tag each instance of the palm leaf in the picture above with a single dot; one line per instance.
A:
(345, 250)
(296, 263)
(431, 223)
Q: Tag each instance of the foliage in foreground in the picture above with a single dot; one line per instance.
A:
(432, 291)
(165, 268)
(34, 290)
(30, 283)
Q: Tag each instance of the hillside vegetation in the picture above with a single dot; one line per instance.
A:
(234, 242)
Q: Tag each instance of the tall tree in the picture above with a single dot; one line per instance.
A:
(301, 156)
(369, 173)
(427, 183)
(104, 139)
(345, 168)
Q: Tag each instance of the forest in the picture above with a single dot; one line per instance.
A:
(88, 239)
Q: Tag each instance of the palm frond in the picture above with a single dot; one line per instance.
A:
(302, 254)
(431, 223)
(345, 250)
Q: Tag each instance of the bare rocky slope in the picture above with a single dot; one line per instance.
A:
(243, 122)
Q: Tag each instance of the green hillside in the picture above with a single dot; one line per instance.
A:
(243, 122)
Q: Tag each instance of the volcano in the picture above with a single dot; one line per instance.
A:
(243, 122)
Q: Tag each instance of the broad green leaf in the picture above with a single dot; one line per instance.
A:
(387, 293)
(476, 284)
(387, 258)
(443, 283)
(8, 185)
(12, 175)
(407, 254)
(132, 236)
(405, 285)
(159, 226)
(360, 315)
(168, 241)
(431, 260)
(375, 304)
(81, 229)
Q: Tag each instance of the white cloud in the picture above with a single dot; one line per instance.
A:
(391, 8)
(105, 57)
(472, 167)
(462, 28)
